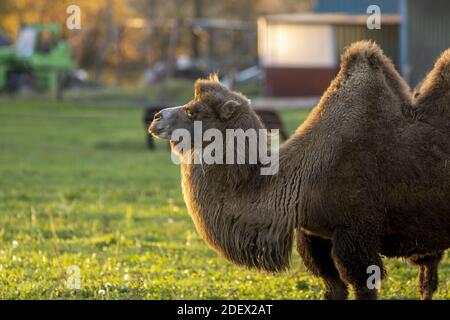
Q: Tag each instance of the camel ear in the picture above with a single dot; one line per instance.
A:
(228, 109)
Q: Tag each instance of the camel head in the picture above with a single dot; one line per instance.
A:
(213, 107)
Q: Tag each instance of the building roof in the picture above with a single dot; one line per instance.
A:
(211, 23)
(321, 18)
(356, 6)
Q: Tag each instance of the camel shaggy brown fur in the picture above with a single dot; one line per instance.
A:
(367, 174)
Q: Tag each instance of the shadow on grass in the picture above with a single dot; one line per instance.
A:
(122, 145)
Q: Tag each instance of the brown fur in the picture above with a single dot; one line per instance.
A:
(368, 173)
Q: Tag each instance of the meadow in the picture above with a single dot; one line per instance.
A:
(78, 187)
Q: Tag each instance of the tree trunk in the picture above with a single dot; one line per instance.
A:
(197, 12)
(99, 61)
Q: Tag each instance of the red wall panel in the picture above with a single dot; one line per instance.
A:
(297, 82)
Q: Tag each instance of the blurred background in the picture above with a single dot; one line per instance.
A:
(83, 184)
(277, 48)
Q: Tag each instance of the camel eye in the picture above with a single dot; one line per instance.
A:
(189, 113)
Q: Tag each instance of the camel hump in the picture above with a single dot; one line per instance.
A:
(366, 60)
(434, 90)
(364, 52)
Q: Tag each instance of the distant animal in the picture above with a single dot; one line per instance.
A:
(148, 115)
(270, 118)
(367, 174)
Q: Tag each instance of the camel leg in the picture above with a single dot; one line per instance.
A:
(316, 255)
(428, 274)
(353, 252)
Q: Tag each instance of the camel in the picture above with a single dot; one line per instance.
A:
(367, 174)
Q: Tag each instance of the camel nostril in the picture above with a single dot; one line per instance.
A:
(157, 116)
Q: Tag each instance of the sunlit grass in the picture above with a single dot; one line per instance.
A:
(78, 187)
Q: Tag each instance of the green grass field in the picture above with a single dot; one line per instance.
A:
(78, 187)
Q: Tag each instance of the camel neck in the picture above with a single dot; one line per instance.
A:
(250, 222)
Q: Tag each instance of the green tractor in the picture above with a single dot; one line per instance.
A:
(40, 60)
